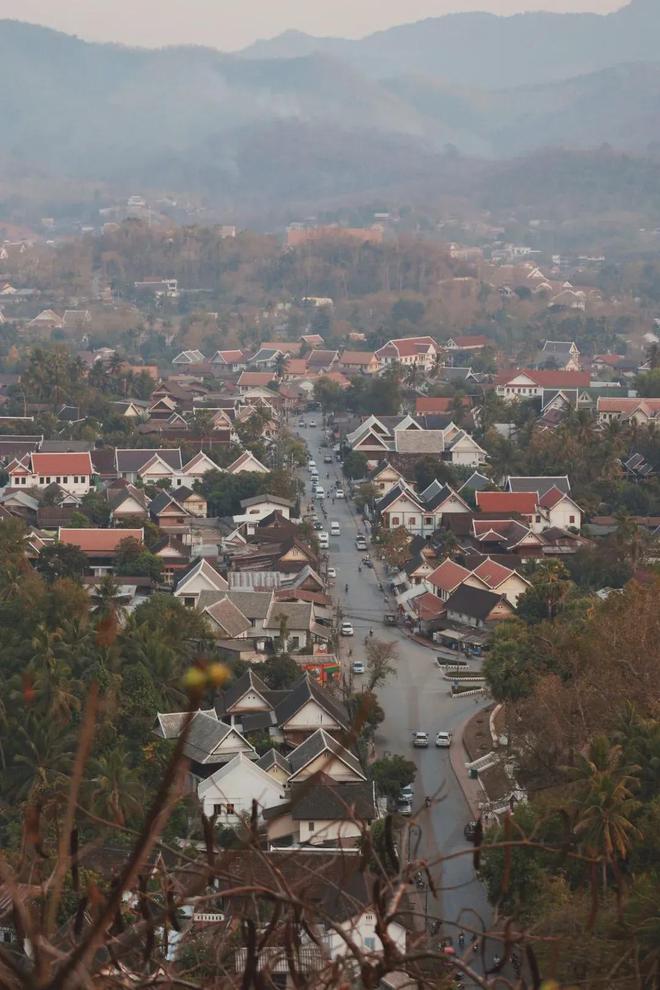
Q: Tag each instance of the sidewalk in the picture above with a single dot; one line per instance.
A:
(472, 789)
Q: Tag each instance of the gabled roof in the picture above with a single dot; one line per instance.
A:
(247, 457)
(241, 761)
(249, 681)
(546, 378)
(252, 378)
(553, 496)
(400, 490)
(130, 461)
(200, 459)
(274, 759)
(316, 744)
(476, 483)
(170, 724)
(306, 690)
(228, 616)
(517, 483)
(448, 576)
(524, 503)
(408, 346)
(162, 501)
(439, 494)
(508, 531)
(492, 573)
(474, 602)
(228, 357)
(206, 733)
(324, 799)
(419, 441)
(201, 567)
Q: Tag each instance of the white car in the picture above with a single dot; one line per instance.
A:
(443, 740)
(358, 667)
(404, 807)
(335, 529)
(332, 573)
(311, 462)
(320, 493)
(324, 539)
(360, 543)
(339, 493)
(346, 629)
(407, 793)
(314, 472)
(420, 740)
(312, 422)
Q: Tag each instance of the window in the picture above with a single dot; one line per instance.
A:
(571, 520)
(413, 520)
(65, 480)
(230, 809)
(428, 520)
(189, 602)
(370, 942)
(42, 481)
(395, 520)
(217, 809)
(311, 826)
(48, 480)
(538, 519)
(368, 917)
(58, 480)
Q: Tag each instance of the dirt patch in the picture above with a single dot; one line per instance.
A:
(495, 782)
(476, 735)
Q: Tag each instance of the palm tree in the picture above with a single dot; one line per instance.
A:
(116, 790)
(604, 803)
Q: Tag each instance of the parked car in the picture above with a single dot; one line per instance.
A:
(346, 629)
(443, 740)
(332, 573)
(420, 740)
(404, 808)
(320, 493)
(301, 423)
(360, 543)
(335, 528)
(407, 793)
(327, 459)
(312, 422)
(311, 463)
(339, 493)
(324, 539)
(358, 667)
(317, 525)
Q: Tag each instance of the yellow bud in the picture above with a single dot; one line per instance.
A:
(218, 674)
(194, 679)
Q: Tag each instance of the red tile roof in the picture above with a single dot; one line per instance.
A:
(448, 576)
(408, 346)
(428, 606)
(438, 404)
(256, 378)
(551, 497)
(99, 540)
(522, 502)
(492, 573)
(62, 464)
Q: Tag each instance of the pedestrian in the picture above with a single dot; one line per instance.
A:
(461, 939)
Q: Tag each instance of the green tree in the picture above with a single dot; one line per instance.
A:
(392, 773)
(280, 672)
(61, 560)
(355, 465)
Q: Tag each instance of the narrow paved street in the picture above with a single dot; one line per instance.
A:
(417, 698)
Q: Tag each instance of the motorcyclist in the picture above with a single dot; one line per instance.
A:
(427, 801)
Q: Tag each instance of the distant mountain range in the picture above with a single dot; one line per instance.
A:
(488, 51)
(303, 120)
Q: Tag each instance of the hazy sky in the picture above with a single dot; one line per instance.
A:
(230, 24)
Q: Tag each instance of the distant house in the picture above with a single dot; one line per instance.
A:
(362, 362)
(188, 358)
(247, 463)
(419, 351)
(73, 471)
(200, 576)
(561, 354)
(47, 319)
(76, 319)
(640, 411)
(477, 608)
(158, 287)
(231, 360)
(148, 464)
(254, 379)
(468, 343)
(127, 502)
(100, 546)
(529, 384)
